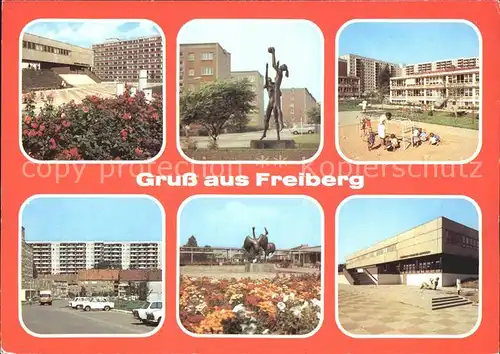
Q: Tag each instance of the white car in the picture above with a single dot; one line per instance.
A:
(141, 312)
(305, 129)
(98, 303)
(77, 303)
(154, 316)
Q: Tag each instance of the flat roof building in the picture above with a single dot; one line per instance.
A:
(202, 62)
(441, 84)
(257, 80)
(348, 85)
(46, 53)
(296, 103)
(122, 60)
(439, 248)
(71, 257)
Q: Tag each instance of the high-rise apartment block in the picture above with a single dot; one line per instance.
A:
(70, 257)
(26, 262)
(368, 70)
(296, 103)
(348, 85)
(123, 59)
(257, 81)
(202, 62)
(439, 83)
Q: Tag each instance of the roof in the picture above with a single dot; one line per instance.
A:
(99, 274)
(307, 249)
(141, 275)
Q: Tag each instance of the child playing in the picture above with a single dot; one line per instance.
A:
(415, 140)
(381, 133)
(371, 140)
(423, 135)
(366, 126)
(434, 139)
(392, 143)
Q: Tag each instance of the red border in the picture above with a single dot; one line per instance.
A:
(18, 181)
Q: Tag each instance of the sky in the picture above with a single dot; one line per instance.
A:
(92, 219)
(86, 33)
(410, 42)
(225, 222)
(298, 43)
(360, 219)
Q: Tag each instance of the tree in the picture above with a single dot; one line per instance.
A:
(384, 81)
(143, 291)
(314, 114)
(83, 291)
(191, 242)
(218, 105)
(107, 265)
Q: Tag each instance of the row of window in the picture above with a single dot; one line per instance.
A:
(204, 56)
(455, 238)
(45, 48)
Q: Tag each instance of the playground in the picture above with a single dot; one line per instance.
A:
(456, 144)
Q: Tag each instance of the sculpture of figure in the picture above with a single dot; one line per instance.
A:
(271, 248)
(276, 110)
(255, 245)
(270, 87)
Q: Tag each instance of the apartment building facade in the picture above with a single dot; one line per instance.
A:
(117, 59)
(348, 85)
(27, 273)
(442, 84)
(257, 81)
(368, 70)
(202, 62)
(296, 103)
(45, 53)
(71, 257)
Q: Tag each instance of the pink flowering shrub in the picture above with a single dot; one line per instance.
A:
(118, 128)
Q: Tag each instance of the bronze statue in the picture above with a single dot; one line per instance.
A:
(271, 248)
(274, 89)
(255, 246)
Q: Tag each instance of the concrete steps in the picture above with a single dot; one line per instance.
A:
(361, 278)
(444, 302)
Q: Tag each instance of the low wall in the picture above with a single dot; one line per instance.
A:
(389, 279)
(450, 279)
(418, 279)
(341, 279)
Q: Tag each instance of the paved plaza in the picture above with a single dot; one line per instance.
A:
(399, 310)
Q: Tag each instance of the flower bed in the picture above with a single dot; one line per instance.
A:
(286, 305)
(99, 129)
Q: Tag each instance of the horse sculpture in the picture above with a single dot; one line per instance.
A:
(254, 246)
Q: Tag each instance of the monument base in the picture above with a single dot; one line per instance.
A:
(260, 268)
(272, 144)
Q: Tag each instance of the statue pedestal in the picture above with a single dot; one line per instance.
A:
(260, 268)
(272, 144)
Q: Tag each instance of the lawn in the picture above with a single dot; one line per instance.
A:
(448, 119)
(307, 140)
(128, 305)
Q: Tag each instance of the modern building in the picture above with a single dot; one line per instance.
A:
(71, 257)
(27, 273)
(305, 255)
(44, 53)
(439, 248)
(122, 60)
(441, 84)
(368, 70)
(348, 85)
(257, 80)
(296, 103)
(201, 63)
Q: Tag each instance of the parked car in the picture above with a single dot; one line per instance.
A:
(141, 312)
(98, 303)
(154, 316)
(45, 297)
(304, 129)
(77, 303)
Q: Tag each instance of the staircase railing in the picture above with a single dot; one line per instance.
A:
(348, 276)
(371, 276)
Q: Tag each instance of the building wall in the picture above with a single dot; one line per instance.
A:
(296, 102)
(460, 240)
(70, 257)
(422, 240)
(123, 59)
(257, 80)
(26, 262)
(367, 69)
(445, 279)
(38, 49)
(202, 62)
(459, 86)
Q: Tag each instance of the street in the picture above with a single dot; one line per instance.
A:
(60, 319)
(239, 140)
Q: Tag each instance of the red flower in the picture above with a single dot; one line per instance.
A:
(52, 144)
(117, 158)
(66, 124)
(27, 119)
(127, 116)
(85, 109)
(34, 125)
(74, 152)
(42, 127)
(32, 132)
(138, 152)
(124, 134)
(130, 99)
(25, 132)
(57, 128)
(155, 116)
